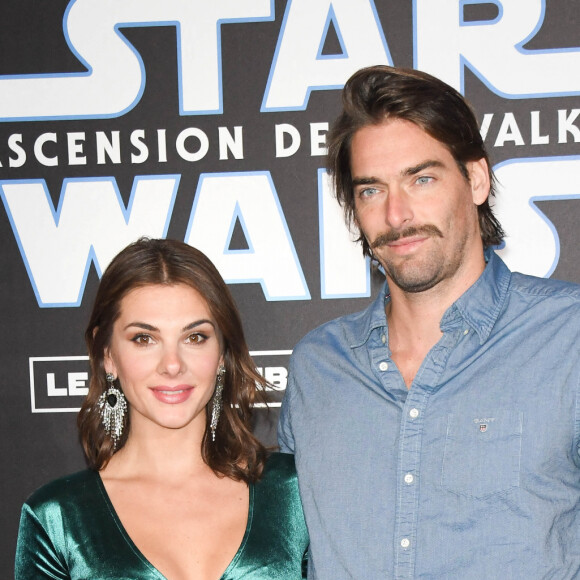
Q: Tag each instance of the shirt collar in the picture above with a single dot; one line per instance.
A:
(479, 306)
(359, 326)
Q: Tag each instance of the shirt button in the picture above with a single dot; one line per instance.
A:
(409, 478)
(383, 338)
(405, 543)
(384, 366)
(414, 413)
(466, 331)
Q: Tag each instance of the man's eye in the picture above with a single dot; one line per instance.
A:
(367, 191)
(424, 180)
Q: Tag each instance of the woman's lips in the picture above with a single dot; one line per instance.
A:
(172, 395)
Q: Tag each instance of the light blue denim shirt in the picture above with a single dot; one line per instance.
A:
(473, 473)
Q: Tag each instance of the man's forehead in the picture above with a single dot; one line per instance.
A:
(405, 145)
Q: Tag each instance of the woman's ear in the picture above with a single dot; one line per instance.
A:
(109, 364)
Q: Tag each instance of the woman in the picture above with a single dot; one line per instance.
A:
(178, 487)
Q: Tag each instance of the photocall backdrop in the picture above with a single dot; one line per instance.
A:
(206, 122)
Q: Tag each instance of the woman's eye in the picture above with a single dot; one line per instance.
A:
(142, 339)
(196, 338)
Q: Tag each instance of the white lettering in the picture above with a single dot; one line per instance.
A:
(77, 384)
(485, 124)
(566, 125)
(532, 243)
(138, 141)
(91, 224)
(299, 66)
(39, 151)
(282, 130)
(318, 138)
(509, 131)
(222, 200)
(344, 271)
(75, 148)
(537, 138)
(111, 148)
(51, 389)
(15, 142)
(203, 144)
(277, 377)
(91, 29)
(480, 46)
(234, 143)
(162, 145)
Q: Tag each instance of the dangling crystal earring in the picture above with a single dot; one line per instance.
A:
(112, 408)
(217, 401)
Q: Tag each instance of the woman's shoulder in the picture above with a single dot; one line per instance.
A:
(279, 470)
(65, 490)
(281, 464)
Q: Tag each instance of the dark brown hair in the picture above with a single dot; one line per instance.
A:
(236, 452)
(374, 94)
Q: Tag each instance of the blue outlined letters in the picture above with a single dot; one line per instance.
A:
(90, 224)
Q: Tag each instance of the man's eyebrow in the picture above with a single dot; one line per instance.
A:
(404, 173)
(365, 181)
(420, 167)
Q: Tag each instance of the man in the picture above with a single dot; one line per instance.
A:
(436, 433)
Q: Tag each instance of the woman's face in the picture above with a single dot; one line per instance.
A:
(165, 349)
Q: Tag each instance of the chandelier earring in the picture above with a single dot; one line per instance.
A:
(217, 401)
(112, 408)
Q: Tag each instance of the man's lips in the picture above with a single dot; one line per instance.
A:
(406, 237)
(406, 241)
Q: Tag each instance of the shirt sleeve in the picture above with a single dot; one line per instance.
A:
(577, 426)
(285, 436)
(36, 555)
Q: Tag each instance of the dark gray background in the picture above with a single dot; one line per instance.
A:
(38, 447)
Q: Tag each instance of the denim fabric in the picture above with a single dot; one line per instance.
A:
(473, 473)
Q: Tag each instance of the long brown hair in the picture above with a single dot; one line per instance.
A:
(377, 93)
(236, 452)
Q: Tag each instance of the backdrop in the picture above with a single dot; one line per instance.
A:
(206, 122)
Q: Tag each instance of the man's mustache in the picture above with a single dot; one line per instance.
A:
(394, 235)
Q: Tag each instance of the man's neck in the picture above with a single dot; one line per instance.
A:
(414, 321)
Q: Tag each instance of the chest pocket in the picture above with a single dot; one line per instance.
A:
(482, 454)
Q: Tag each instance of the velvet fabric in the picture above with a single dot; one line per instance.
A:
(69, 529)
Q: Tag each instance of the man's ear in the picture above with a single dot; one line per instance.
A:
(479, 180)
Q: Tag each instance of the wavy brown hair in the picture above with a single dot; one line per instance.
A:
(236, 452)
(377, 93)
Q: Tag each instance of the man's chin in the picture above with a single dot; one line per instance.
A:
(412, 280)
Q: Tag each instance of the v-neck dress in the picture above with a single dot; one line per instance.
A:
(69, 529)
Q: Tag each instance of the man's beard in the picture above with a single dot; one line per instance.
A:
(409, 276)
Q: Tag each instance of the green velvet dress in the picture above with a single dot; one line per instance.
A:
(69, 529)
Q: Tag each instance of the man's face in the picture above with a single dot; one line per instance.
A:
(415, 208)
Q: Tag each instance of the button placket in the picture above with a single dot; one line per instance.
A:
(409, 466)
